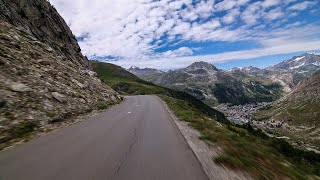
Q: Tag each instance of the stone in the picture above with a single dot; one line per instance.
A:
(44, 62)
(2, 103)
(90, 73)
(19, 87)
(78, 83)
(59, 97)
(2, 62)
(82, 100)
(113, 98)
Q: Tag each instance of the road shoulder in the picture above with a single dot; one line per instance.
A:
(204, 152)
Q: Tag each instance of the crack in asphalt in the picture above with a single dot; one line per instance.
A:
(126, 153)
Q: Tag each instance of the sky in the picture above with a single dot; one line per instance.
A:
(171, 34)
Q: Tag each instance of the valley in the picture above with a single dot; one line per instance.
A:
(242, 114)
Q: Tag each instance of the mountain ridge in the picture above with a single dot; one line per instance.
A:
(246, 82)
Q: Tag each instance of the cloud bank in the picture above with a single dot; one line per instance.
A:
(150, 33)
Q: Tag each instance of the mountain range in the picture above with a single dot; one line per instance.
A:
(238, 85)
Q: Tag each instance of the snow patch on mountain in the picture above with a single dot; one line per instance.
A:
(295, 67)
(313, 53)
(298, 58)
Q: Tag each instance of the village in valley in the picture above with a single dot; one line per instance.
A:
(242, 114)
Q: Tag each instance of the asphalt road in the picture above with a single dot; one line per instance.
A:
(136, 140)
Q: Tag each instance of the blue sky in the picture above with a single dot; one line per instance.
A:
(170, 34)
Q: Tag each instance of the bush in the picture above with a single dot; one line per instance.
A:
(22, 129)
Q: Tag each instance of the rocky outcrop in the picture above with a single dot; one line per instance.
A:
(44, 78)
(41, 20)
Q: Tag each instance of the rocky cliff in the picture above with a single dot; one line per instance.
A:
(44, 78)
(41, 20)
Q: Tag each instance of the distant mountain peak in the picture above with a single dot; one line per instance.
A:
(248, 70)
(306, 61)
(312, 53)
(138, 71)
(202, 65)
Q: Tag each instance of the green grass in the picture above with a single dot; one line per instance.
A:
(20, 130)
(102, 104)
(123, 81)
(296, 114)
(247, 149)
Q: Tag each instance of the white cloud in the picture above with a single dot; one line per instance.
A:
(225, 5)
(231, 16)
(274, 14)
(252, 13)
(270, 3)
(182, 51)
(132, 30)
(302, 6)
(169, 63)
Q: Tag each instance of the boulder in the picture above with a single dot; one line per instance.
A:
(44, 62)
(2, 62)
(2, 103)
(59, 97)
(19, 87)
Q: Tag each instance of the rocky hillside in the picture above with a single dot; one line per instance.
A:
(297, 114)
(44, 78)
(305, 62)
(290, 72)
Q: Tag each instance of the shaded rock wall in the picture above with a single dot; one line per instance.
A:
(44, 78)
(42, 21)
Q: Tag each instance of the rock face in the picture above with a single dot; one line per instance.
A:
(290, 72)
(307, 61)
(44, 78)
(41, 20)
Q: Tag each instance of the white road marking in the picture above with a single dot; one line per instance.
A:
(129, 112)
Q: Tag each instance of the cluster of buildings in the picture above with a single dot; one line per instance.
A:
(241, 114)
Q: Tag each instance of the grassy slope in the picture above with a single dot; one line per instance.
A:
(123, 81)
(247, 149)
(300, 111)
